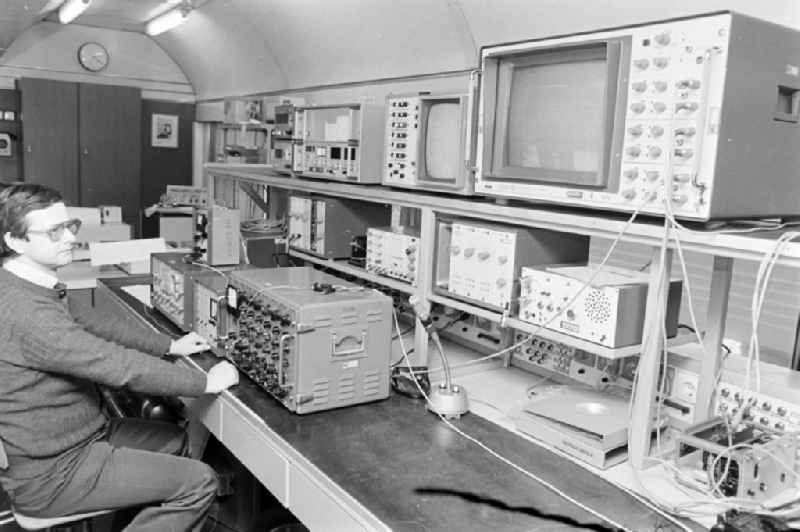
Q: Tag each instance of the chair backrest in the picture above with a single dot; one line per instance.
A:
(3, 456)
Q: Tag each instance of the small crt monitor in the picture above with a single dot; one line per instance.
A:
(428, 144)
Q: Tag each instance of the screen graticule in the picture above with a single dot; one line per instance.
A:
(442, 141)
(555, 116)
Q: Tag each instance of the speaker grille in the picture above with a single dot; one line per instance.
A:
(597, 307)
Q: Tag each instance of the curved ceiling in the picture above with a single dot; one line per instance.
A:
(269, 45)
(252, 46)
(239, 47)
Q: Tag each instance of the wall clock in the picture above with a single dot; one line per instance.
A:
(93, 56)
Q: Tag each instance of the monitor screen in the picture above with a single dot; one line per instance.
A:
(335, 124)
(556, 116)
(442, 141)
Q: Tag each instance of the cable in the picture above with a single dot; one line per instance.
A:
(597, 270)
(759, 293)
(758, 298)
(723, 345)
(403, 333)
(203, 265)
(506, 461)
(262, 225)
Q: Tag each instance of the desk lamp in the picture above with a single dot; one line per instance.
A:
(446, 399)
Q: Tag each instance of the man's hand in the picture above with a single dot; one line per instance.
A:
(221, 377)
(188, 345)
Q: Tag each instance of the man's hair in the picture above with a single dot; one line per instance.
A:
(16, 201)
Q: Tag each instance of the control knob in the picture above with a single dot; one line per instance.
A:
(662, 39)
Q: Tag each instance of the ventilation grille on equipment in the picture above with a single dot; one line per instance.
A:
(372, 383)
(597, 307)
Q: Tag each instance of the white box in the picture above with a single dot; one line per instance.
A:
(392, 253)
(87, 215)
(609, 312)
(111, 214)
(130, 255)
(111, 232)
(582, 422)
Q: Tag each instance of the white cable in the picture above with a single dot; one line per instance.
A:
(759, 294)
(659, 326)
(204, 265)
(506, 461)
(685, 274)
(597, 270)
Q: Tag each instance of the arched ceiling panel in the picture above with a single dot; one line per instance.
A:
(52, 47)
(513, 20)
(230, 47)
(16, 17)
(351, 40)
(223, 52)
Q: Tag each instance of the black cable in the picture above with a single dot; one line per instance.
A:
(453, 321)
(395, 364)
(463, 316)
(722, 344)
(402, 333)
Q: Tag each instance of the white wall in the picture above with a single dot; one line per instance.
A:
(49, 50)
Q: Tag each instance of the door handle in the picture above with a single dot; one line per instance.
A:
(86, 151)
(28, 148)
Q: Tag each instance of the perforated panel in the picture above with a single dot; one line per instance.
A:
(597, 307)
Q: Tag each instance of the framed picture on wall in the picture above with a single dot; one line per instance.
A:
(164, 131)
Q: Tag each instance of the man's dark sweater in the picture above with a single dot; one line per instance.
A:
(49, 362)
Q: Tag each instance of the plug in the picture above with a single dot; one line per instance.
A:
(403, 382)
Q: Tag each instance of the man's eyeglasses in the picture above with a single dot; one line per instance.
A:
(57, 231)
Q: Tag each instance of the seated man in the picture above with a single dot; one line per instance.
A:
(64, 456)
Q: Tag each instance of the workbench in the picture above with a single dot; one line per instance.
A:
(392, 465)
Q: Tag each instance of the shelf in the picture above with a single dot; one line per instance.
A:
(185, 209)
(342, 266)
(555, 336)
(246, 125)
(261, 235)
(751, 246)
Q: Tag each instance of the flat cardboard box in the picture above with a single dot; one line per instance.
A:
(580, 421)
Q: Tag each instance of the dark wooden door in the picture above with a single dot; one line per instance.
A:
(49, 111)
(109, 132)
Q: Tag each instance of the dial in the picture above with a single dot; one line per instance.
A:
(93, 56)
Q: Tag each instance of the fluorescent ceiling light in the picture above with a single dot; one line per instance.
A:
(71, 9)
(167, 21)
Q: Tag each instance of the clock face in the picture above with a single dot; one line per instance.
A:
(93, 56)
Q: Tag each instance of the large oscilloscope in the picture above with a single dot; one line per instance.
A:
(698, 115)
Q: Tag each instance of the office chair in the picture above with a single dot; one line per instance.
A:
(74, 523)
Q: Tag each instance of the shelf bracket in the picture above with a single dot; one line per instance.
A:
(712, 341)
(642, 410)
(253, 195)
